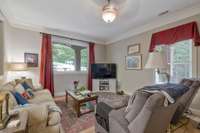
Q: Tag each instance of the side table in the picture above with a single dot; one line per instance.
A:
(22, 128)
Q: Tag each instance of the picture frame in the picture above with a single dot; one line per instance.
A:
(31, 59)
(133, 49)
(134, 62)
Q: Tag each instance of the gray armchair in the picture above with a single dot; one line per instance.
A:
(152, 116)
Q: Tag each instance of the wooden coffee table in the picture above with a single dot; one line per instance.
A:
(79, 100)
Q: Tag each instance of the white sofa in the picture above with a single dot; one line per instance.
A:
(42, 118)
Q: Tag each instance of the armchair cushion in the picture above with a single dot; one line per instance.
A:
(117, 121)
(137, 105)
(139, 124)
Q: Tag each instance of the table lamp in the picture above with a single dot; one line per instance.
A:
(17, 67)
(156, 61)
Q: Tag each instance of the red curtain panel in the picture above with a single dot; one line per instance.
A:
(176, 34)
(46, 68)
(91, 61)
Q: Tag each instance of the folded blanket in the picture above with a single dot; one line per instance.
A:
(171, 91)
(102, 115)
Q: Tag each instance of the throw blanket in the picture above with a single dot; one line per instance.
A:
(171, 91)
(102, 115)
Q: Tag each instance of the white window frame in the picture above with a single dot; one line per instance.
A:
(193, 64)
(68, 42)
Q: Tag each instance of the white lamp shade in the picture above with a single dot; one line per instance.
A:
(17, 67)
(156, 61)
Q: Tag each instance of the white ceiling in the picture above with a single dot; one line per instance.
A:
(83, 17)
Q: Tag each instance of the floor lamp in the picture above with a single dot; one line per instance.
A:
(156, 61)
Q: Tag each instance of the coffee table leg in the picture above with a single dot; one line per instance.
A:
(66, 97)
(77, 108)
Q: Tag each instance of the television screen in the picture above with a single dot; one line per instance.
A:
(103, 71)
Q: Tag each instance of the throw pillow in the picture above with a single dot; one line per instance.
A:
(20, 99)
(27, 80)
(27, 88)
(25, 85)
(137, 105)
(21, 90)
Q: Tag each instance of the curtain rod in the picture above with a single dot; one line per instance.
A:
(69, 38)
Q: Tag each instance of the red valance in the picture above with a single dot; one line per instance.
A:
(176, 34)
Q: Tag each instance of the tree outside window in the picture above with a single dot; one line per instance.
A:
(69, 58)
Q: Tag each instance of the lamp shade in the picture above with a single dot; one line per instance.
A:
(17, 67)
(156, 61)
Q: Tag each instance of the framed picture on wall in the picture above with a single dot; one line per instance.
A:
(133, 49)
(134, 62)
(31, 59)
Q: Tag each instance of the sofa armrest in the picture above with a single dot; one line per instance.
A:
(37, 114)
(38, 88)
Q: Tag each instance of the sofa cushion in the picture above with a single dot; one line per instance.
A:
(12, 101)
(41, 97)
(8, 86)
(27, 80)
(137, 105)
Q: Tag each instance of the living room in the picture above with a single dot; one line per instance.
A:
(106, 47)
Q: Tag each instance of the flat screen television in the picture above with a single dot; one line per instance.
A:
(103, 71)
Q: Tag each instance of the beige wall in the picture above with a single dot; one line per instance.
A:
(19, 41)
(1, 49)
(130, 80)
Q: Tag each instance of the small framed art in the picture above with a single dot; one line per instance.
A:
(133, 49)
(31, 59)
(134, 62)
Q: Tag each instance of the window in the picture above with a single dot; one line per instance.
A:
(179, 58)
(84, 59)
(69, 57)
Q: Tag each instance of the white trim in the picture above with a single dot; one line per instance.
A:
(60, 94)
(161, 21)
(70, 72)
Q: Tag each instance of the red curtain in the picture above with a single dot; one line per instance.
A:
(46, 69)
(176, 34)
(91, 61)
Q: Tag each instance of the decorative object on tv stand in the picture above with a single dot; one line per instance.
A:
(4, 113)
(156, 61)
(31, 59)
(134, 62)
(133, 49)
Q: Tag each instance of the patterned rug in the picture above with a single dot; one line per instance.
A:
(70, 122)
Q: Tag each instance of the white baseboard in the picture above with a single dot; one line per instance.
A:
(60, 94)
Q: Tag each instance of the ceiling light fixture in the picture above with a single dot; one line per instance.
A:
(109, 13)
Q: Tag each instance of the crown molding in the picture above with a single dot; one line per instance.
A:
(17, 23)
(161, 21)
